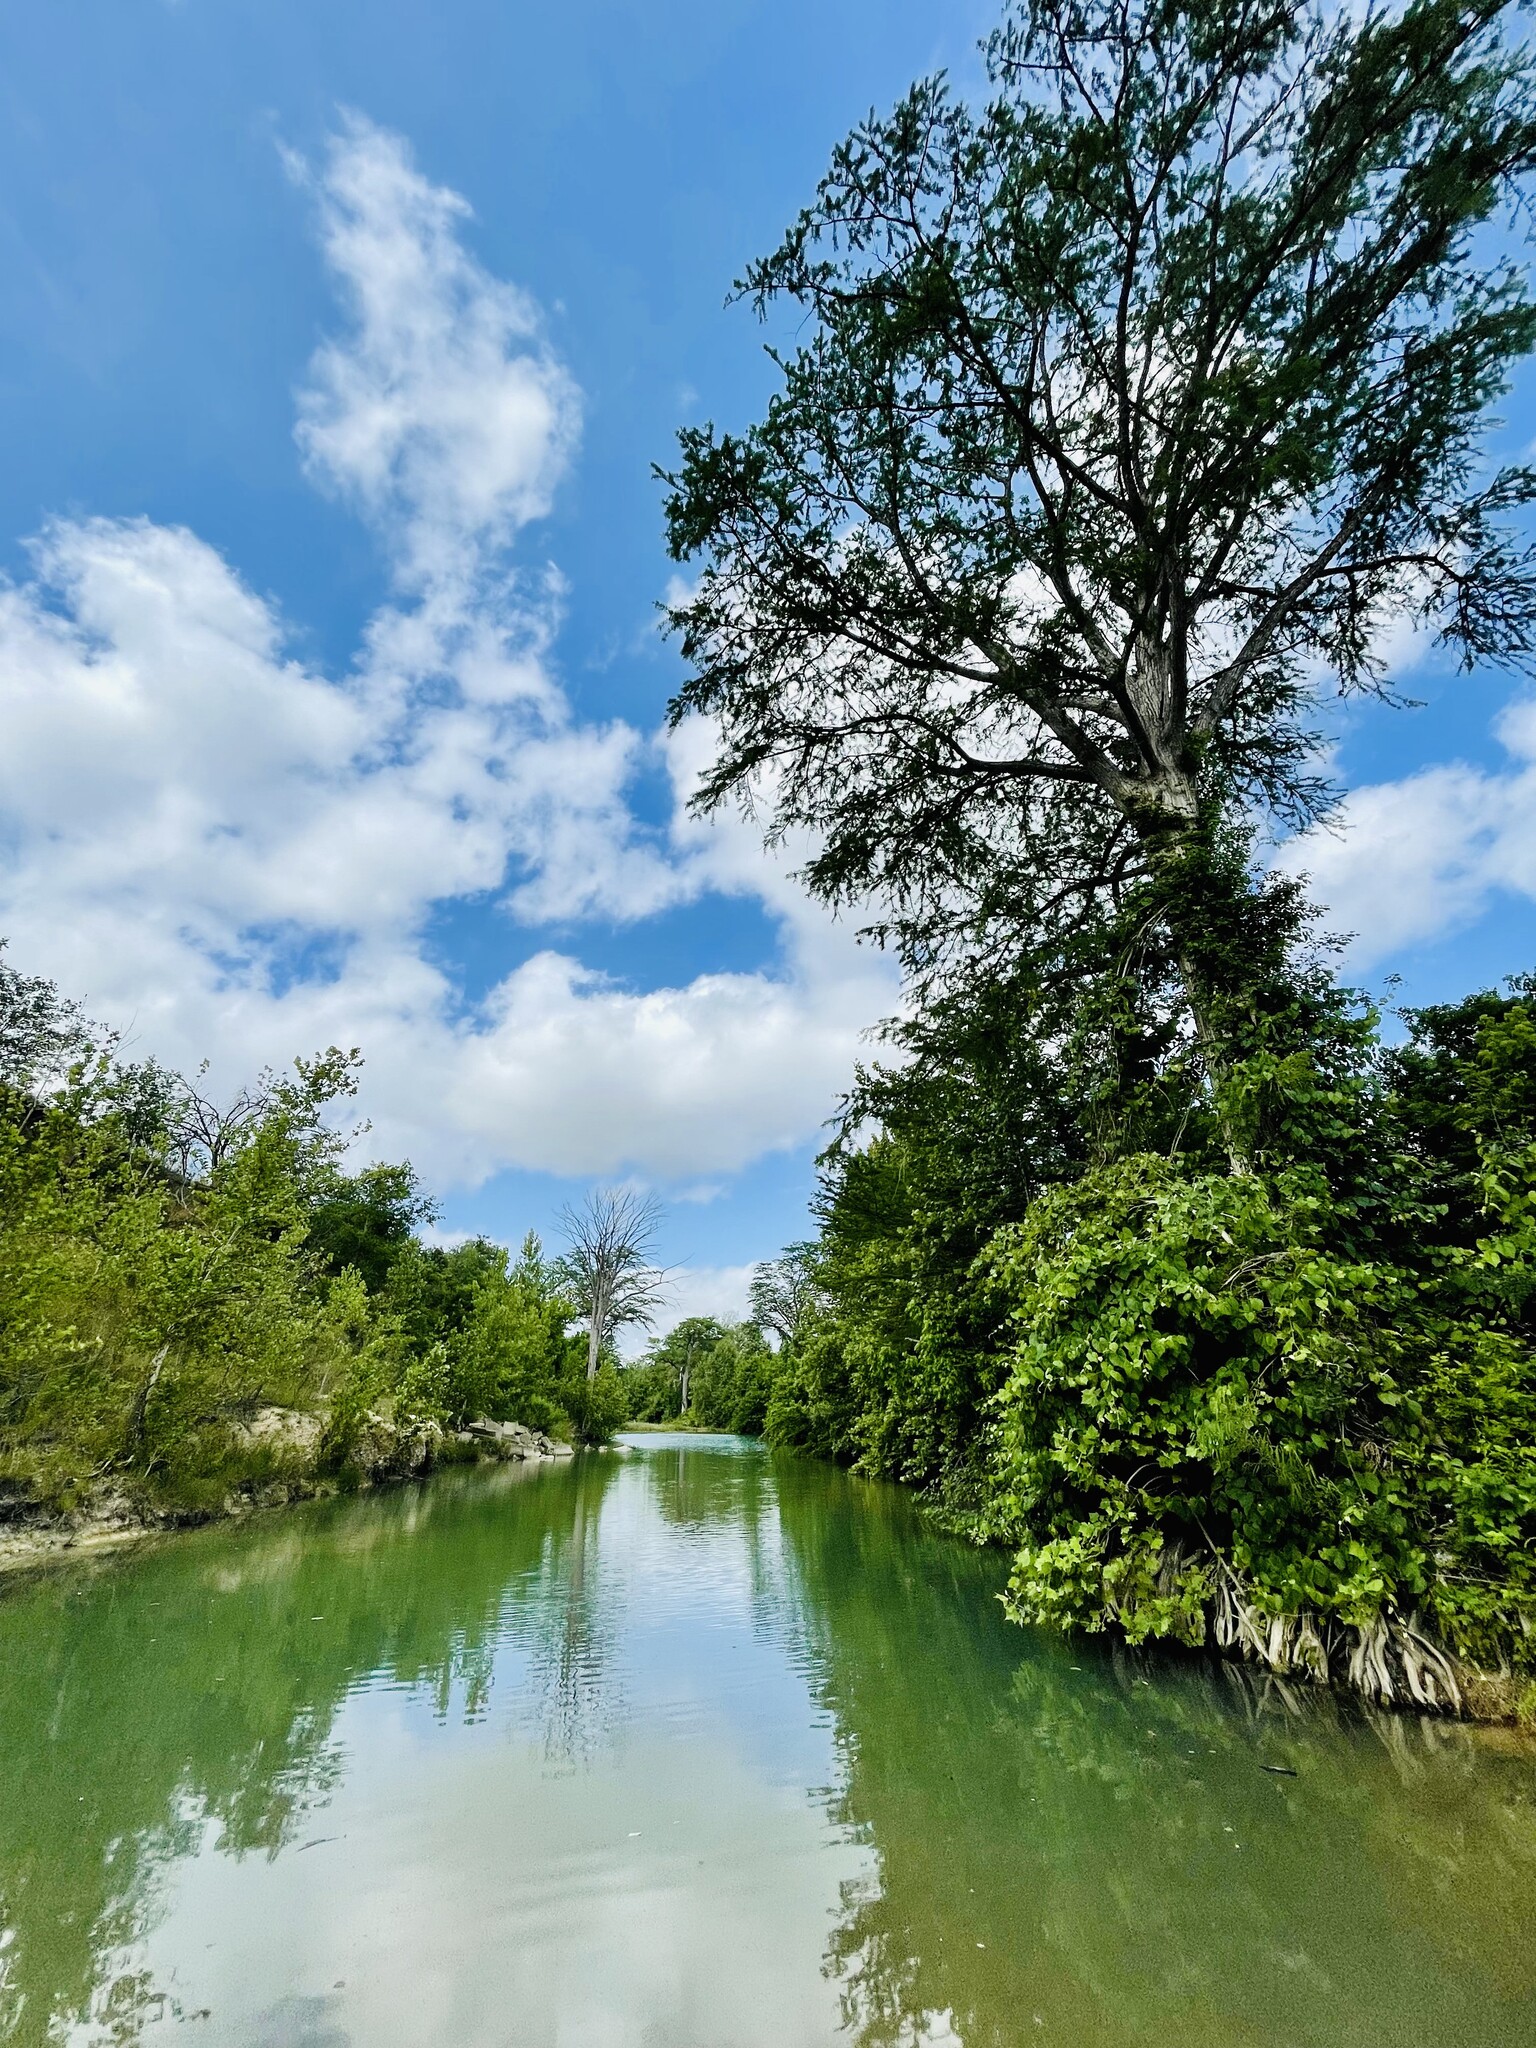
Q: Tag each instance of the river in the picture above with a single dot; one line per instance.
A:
(685, 1746)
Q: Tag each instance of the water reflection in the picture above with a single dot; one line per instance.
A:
(577, 1693)
(1089, 1848)
(689, 1745)
(155, 1704)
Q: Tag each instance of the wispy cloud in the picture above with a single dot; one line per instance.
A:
(442, 412)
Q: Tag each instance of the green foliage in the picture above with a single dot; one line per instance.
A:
(366, 1220)
(882, 1373)
(1293, 1408)
(595, 1405)
(731, 1381)
(725, 1371)
(432, 1289)
(171, 1267)
(143, 1315)
(502, 1325)
(1202, 1382)
(652, 1390)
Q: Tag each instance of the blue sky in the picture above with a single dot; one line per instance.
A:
(336, 343)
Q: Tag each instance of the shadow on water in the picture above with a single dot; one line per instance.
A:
(1086, 1847)
(1047, 1841)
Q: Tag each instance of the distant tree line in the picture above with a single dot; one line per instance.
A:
(712, 1373)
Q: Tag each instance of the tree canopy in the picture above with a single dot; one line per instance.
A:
(1130, 402)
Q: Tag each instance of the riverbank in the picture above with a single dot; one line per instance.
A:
(674, 1429)
(285, 1450)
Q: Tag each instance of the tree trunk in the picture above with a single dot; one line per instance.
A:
(139, 1413)
(1167, 818)
(595, 1324)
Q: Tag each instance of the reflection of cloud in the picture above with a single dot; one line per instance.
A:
(229, 851)
(1415, 859)
(297, 2023)
(671, 1882)
(479, 1899)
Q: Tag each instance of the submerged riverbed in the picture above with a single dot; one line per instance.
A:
(684, 1746)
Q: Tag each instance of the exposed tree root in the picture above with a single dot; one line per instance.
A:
(1390, 1659)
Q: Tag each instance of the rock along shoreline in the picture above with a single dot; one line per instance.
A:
(286, 1444)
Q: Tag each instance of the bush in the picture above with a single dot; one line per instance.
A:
(1209, 1408)
(594, 1409)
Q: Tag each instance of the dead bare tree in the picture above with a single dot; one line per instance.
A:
(608, 1264)
(202, 1134)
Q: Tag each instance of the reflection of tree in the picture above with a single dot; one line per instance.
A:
(706, 1485)
(1100, 1846)
(157, 1696)
(575, 1681)
(699, 1489)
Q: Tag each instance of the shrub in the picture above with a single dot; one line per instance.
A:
(594, 1409)
(1212, 1412)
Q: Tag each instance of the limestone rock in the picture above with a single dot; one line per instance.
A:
(386, 1448)
(283, 1429)
(515, 1440)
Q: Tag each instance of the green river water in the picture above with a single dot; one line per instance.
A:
(683, 1746)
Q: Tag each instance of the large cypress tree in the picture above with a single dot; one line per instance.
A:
(1126, 406)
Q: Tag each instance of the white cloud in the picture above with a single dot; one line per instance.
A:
(690, 1290)
(230, 853)
(1412, 860)
(443, 413)
(721, 1291)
